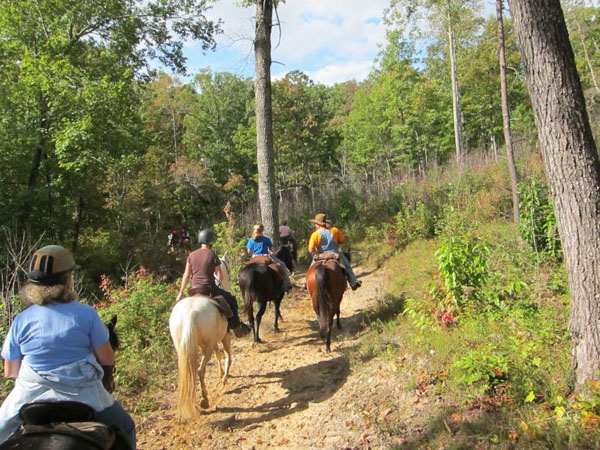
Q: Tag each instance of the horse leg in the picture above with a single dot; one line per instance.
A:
(259, 314)
(277, 314)
(227, 349)
(207, 352)
(339, 324)
(329, 327)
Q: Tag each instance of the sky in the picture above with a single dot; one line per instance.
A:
(330, 40)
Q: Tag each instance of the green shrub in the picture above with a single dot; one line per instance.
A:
(537, 224)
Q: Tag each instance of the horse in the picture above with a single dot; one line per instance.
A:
(259, 283)
(66, 425)
(326, 283)
(290, 242)
(197, 322)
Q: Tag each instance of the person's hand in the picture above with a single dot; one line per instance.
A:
(178, 297)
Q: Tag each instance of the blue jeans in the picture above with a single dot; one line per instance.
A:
(116, 415)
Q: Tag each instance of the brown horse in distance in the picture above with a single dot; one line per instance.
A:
(326, 283)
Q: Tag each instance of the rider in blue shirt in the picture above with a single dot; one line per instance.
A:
(259, 244)
(58, 349)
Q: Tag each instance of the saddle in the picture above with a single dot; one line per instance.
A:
(218, 300)
(62, 426)
(326, 256)
(266, 259)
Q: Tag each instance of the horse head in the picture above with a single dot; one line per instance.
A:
(284, 253)
(113, 337)
(225, 283)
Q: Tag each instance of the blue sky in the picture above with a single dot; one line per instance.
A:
(330, 40)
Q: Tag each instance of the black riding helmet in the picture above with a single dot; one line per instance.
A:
(207, 237)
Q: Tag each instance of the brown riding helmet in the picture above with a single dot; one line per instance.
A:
(50, 264)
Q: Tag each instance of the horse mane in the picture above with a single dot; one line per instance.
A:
(113, 337)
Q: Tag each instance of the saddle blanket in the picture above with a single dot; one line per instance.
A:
(217, 300)
(265, 259)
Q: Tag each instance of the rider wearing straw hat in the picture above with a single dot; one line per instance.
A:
(324, 240)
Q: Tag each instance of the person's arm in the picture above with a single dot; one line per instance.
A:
(106, 358)
(11, 368)
(184, 280)
(219, 273)
(313, 242)
(105, 354)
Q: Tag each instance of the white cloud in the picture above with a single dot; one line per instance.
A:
(324, 38)
(336, 73)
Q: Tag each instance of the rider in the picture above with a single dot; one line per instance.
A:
(324, 240)
(285, 233)
(58, 349)
(259, 244)
(202, 265)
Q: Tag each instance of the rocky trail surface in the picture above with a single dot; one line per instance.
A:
(286, 392)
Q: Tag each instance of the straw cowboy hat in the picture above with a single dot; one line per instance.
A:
(320, 219)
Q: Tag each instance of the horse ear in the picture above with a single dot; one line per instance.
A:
(114, 320)
(224, 257)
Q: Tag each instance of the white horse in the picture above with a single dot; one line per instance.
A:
(196, 322)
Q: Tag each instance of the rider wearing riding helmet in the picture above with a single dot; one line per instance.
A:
(259, 244)
(202, 265)
(58, 349)
(324, 240)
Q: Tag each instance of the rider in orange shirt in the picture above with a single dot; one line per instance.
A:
(324, 240)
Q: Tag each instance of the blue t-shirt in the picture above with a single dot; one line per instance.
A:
(260, 245)
(50, 336)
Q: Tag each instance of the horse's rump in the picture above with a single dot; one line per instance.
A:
(266, 260)
(218, 300)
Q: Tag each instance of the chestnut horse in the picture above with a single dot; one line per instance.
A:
(326, 283)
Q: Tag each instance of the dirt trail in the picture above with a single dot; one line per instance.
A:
(284, 393)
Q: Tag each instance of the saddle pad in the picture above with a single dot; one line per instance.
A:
(222, 305)
(327, 256)
(265, 259)
(218, 300)
(259, 259)
(62, 436)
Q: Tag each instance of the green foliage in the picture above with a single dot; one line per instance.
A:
(537, 224)
(143, 310)
(462, 259)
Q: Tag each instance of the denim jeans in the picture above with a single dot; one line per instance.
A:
(116, 415)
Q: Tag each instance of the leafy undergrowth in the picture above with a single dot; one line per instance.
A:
(496, 374)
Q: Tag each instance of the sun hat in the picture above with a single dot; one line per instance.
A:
(49, 264)
(320, 219)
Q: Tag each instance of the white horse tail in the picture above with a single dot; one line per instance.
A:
(187, 363)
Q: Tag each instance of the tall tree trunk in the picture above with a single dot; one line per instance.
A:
(78, 221)
(506, 115)
(264, 118)
(458, 139)
(572, 165)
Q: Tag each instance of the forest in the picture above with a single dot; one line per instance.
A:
(466, 321)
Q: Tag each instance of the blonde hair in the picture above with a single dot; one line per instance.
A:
(35, 294)
(258, 230)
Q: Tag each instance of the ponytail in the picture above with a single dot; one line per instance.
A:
(258, 230)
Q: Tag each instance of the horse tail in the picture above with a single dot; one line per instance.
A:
(187, 364)
(247, 285)
(323, 299)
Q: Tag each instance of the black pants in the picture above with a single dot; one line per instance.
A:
(214, 290)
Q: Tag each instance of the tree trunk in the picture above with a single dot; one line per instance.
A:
(458, 139)
(264, 118)
(506, 115)
(572, 165)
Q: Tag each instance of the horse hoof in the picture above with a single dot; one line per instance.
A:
(275, 330)
(204, 403)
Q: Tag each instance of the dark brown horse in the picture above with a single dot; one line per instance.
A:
(326, 283)
(259, 283)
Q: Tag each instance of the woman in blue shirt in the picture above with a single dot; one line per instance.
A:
(259, 244)
(59, 349)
